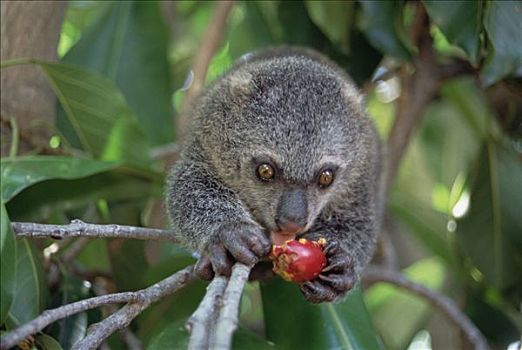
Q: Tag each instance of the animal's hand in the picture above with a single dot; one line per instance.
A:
(336, 278)
(243, 242)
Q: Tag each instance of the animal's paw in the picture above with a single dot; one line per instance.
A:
(245, 243)
(336, 278)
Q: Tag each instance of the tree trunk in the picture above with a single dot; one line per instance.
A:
(28, 29)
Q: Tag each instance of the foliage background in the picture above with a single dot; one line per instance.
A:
(454, 209)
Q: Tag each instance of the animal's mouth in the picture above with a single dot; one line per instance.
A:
(280, 237)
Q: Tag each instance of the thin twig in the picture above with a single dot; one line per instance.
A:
(131, 341)
(100, 331)
(78, 228)
(143, 298)
(207, 48)
(440, 301)
(201, 324)
(228, 316)
(12, 338)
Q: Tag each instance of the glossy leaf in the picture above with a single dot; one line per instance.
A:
(490, 233)
(381, 21)
(31, 292)
(41, 200)
(73, 328)
(128, 259)
(254, 31)
(22, 172)
(8, 265)
(46, 342)
(96, 110)
(460, 21)
(503, 24)
(334, 19)
(175, 336)
(397, 314)
(128, 44)
(293, 323)
(177, 307)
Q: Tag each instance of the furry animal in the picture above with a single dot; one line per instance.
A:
(280, 147)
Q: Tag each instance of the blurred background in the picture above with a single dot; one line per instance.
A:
(93, 109)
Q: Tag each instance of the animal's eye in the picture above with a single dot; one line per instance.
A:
(265, 172)
(326, 178)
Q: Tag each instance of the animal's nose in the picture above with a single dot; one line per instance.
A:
(292, 226)
(292, 211)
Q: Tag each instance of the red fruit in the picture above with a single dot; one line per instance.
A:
(299, 261)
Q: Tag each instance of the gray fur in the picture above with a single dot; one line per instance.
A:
(299, 110)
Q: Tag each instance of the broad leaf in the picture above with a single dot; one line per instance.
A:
(128, 259)
(255, 30)
(22, 172)
(31, 292)
(381, 21)
(293, 323)
(72, 328)
(503, 24)
(334, 18)
(42, 200)
(175, 336)
(397, 314)
(128, 44)
(459, 20)
(97, 111)
(490, 233)
(178, 306)
(8, 265)
(46, 342)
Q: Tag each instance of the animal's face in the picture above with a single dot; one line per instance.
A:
(284, 204)
(287, 142)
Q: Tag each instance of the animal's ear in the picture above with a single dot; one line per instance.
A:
(353, 97)
(240, 84)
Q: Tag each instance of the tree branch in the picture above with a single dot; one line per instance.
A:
(100, 331)
(137, 302)
(201, 324)
(228, 316)
(207, 48)
(12, 338)
(439, 301)
(78, 228)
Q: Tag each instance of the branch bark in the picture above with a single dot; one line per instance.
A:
(228, 316)
(437, 300)
(78, 228)
(137, 302)
(202, 323)
(207, 48)
(28, 29)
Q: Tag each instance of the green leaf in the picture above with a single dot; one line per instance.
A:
(31, 292)
(128, 44)
(42, 200)
(293, 323)
(178, 306)
(490, 233)
(396, 314)
(8, 265)
(95, 108)
(255, 29)
(381, 21)
(503, 24)
(128, 259)
(334, 18)
(175, 336)
(22, 172)
(460, 21)
(46, 342)
(72, 328)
